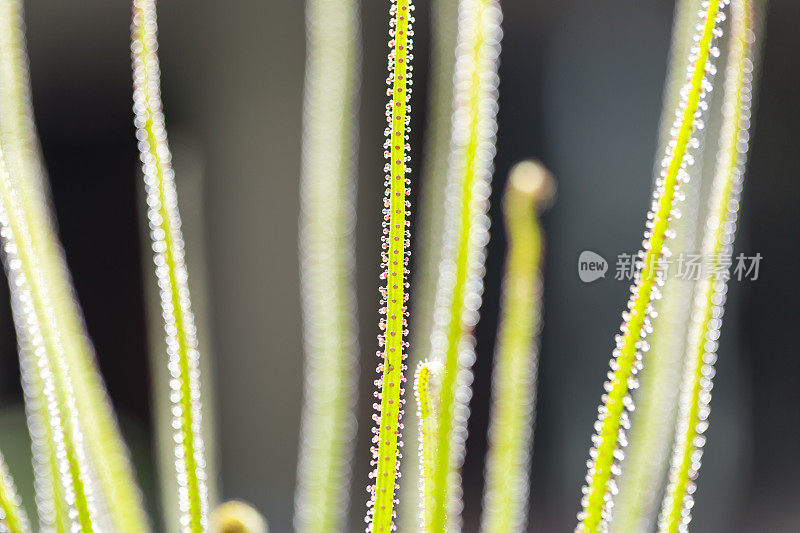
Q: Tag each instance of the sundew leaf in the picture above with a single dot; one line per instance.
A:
(394, 255)
(116, 492)
(609, 439)
(13, 518)
(37, 325)
(460, 284)
(653, 422)
(187, 158)
(708, 307)
(327, 216)
(50, 503)
(505, 499)
(165, 228)
(430, 218)
(427, 383)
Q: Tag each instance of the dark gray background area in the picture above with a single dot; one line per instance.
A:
(581, 86)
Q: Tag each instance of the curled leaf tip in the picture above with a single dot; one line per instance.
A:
(505, 501)
(237, 517)
(427, 381)
(531, 178)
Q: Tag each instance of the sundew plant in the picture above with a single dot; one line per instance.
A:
(613, 421)
(708, 306)
(327, 264)
(82, 470)
(171, 272)
(394, 256)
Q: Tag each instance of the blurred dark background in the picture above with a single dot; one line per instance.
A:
(581, 87)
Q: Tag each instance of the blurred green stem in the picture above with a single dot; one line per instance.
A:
(37, 323)
(430, 219)
(505, 502)
(653, 421)
(606, 452)
(460, 284)
(708, 309)
(168, 248)
(187, 159)
(111, 471)
(13, 518)
(327, 220)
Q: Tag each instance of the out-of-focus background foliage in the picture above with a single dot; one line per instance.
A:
(581, 85)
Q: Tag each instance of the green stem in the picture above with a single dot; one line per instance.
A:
(38, 324)
(430, 218)
(13, 518)
(51, 505)
(181, 342)
(111, 471)
(326, 261)
(460, 283)
(187, 160)
(710, 300)
(505, 503)
(653, 422)
(381, 506)
(613, 419)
